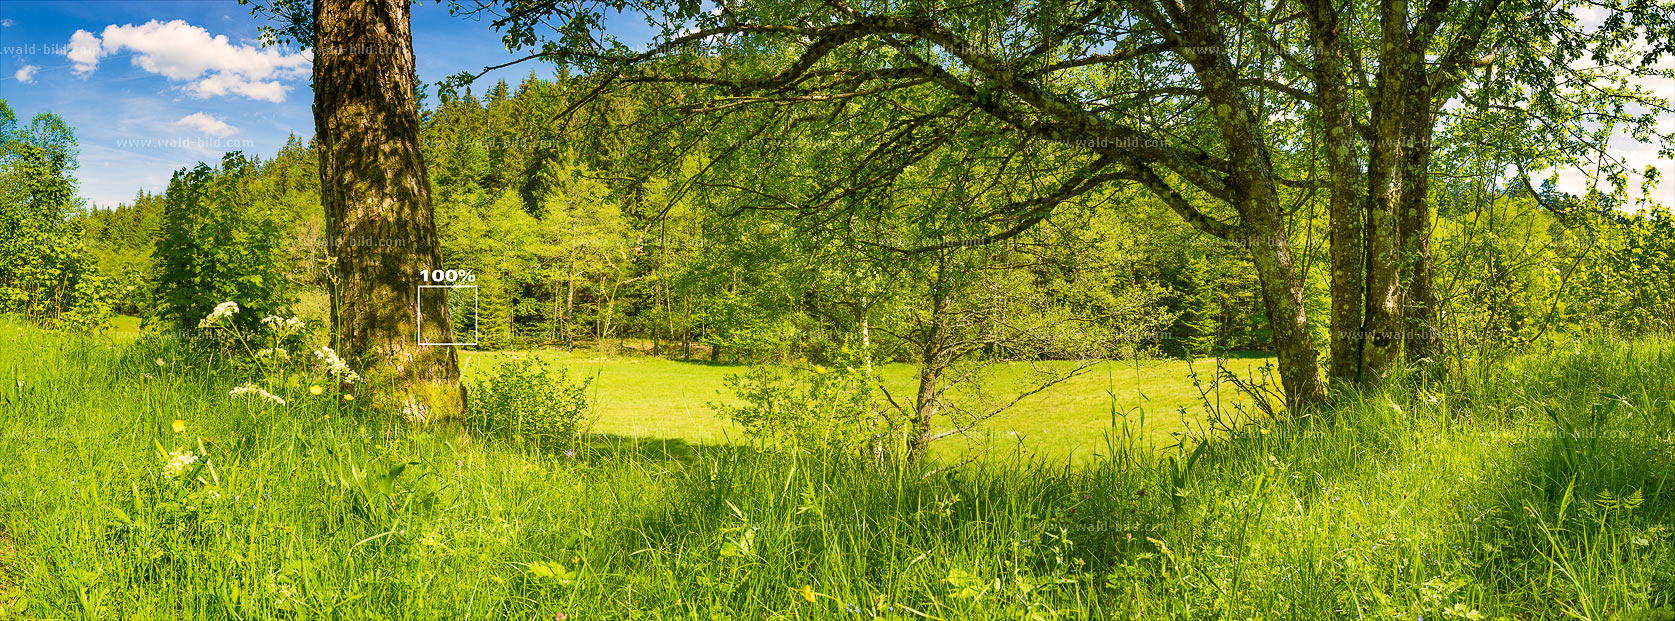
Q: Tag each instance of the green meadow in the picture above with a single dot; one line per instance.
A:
(672, 399)
(1524, 486)
(756, 310)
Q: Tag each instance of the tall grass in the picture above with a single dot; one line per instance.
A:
(1527, 487)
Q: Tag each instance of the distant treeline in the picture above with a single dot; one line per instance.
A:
(577, 242)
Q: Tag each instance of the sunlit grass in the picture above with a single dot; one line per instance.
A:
(649, 397)
(1529, 487)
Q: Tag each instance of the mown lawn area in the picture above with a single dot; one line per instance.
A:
(650, 397)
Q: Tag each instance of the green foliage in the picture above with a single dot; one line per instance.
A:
(1201, 312)
(812, 407)
(1628, 285)
(46, 273)
(494, 312)
(522, 400)
(121, 240)
(748, 288)
(1499, 264)
(214, 248)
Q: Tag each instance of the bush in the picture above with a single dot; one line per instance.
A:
(524, 401)
(814, 408)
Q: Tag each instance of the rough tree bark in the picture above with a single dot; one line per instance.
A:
(378, 208)
(1427, 90)
(933, 362)
(1419, 308)
(1381, 325)
(1401, 298)
(1261, 216)
(1345, 212)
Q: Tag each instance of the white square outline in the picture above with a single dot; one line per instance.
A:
(418, 313)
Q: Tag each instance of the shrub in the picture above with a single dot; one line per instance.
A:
(524, 401)
(819, 408)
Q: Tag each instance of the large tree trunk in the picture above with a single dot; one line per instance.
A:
(1345, 214)
(378, 209)
(1282, 295)
(1261, 216)
(1382, 325)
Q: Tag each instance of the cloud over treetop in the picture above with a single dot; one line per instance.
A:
(208, 124)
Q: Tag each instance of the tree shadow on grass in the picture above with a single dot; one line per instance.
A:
(781, 510)
(610, 447)
(700, 362)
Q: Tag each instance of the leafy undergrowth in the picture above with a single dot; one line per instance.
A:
(1529, 487)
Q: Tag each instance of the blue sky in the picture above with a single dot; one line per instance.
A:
(152, 87)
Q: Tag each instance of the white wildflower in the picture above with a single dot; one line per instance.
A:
(336, 366)
(277, 353)
(252, 389)
(283, 327)
(179, 463)
(222, 311)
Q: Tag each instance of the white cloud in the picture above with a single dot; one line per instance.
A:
(208, 124)
(6, 23)
(222, 83)
(26, 73)
(186, 53)
(84, 52)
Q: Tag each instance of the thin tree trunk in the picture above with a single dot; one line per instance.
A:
(570, 302)
(599, 318)
(878, 428)
(554, 319)
(1422, 340)
(610, 312)
(931, 361)
(377, 201)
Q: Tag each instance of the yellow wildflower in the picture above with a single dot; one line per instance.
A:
(179, 426)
